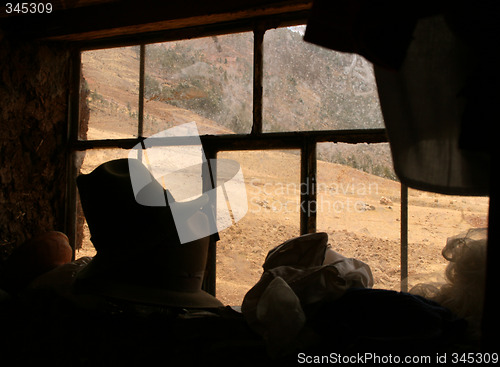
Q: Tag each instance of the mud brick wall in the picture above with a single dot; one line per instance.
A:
(34, 85)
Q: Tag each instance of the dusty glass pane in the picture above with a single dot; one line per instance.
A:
(432, 220)
(447, 252)
(110, 93)
(272, 181)
(206, 80)
(359, 206)
(307, 87)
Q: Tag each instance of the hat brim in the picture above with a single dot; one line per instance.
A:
(91, 279)
(150, 296)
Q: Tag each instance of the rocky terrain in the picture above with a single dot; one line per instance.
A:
(359, 211)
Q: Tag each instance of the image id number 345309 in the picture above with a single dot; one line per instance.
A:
(473, 358)
(28, 8)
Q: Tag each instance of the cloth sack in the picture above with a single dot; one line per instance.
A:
(298, 273)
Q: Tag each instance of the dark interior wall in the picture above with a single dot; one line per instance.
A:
(34, 84)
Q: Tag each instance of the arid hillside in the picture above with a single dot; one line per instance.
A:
(360, 211)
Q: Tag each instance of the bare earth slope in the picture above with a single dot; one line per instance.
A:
(360, 212)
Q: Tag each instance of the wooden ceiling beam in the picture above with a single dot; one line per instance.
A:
(121, 18)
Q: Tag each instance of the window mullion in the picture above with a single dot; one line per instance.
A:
(258, 72)
(140, 122)
(209, 175)
(308, 194)
(72, 138)
(404, 238)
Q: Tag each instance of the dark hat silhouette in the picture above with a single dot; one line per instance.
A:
(139, 255)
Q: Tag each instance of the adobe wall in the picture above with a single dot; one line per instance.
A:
(34, 85)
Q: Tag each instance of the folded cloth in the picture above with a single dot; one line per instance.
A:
(300, 272)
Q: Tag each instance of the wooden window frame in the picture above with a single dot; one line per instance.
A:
(305, 141)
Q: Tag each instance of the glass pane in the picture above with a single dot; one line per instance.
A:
(432, 220)
(447, 252)
(307, 87)
(88, 161)
(206, 80)
(109, 93)
(359, 206)
(272, 181)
